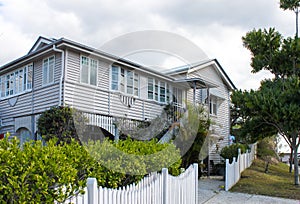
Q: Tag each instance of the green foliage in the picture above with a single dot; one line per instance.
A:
(231, 151)
(63, 123)
(273, 53)
(192, 134)
(274, 108)
(129, 160)
(266, 149)
(42, 174)
(289, 4)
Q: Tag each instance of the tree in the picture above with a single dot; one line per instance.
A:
(266, 151)
(275, 104)
(270, 51)
(292, 5)
(275, 107)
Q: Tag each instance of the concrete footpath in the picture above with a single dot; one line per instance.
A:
(211, 191)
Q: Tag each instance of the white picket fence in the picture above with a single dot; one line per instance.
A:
(158, 188)
(234, 170)
(103, 121)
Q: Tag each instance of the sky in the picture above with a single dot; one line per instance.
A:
(215, 26)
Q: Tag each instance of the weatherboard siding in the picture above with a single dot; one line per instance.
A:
(221, 122)
(86, 98)
(39, 99)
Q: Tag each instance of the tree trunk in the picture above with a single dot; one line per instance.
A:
(296, 167)
(291, 160)
(267, 167)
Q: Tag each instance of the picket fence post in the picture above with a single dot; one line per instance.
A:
(195, 165)
(92, 190)
(226, 174)
(165, 185)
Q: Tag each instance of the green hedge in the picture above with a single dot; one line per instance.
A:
(135, 158)
(231, 151)
(37, 173)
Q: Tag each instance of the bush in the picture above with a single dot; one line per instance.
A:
(63, 123)
(42, 174)
(231, 151)
(130, 160)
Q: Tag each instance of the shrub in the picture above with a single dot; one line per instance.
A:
(231, 151)
(130, 160)
(63, 123)
(42, 174)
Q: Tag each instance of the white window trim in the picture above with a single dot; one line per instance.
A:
(125, 81)
(48, 73)
(25, 87)
(213, 100)
(158, 91)
(89, 70)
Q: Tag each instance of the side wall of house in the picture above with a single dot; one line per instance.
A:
(21, 111)
(220, 128)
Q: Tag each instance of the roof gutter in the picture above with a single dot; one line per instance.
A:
(22, 60)
(62, 72)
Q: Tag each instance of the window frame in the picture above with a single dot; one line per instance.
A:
(14, 83)
(126, 80)
(157, 88)
(90, 62)
(46, 75)
(213, 106)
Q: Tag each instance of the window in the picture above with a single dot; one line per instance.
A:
(150, 88)
(114, 78)
(158, 90)
(129, 82)
(89, 69)
(213, 105)
(16, 82)
(48, 70)
(162, 91)
(124, 80)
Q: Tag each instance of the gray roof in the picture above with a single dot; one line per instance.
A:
(43, 44)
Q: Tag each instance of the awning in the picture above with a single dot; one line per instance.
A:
(217, 93)
(197, 83)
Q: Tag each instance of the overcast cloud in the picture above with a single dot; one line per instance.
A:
(216, 26)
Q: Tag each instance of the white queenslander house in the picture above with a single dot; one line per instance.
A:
(104, 87)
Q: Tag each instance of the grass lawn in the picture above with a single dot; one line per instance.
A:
(278, 182)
